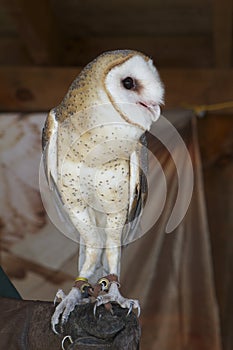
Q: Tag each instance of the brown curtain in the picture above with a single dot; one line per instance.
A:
(171, 274)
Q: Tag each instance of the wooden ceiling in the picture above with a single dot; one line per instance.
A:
(177, 33)
(183, 35)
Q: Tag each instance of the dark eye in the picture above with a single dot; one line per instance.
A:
(128, 83)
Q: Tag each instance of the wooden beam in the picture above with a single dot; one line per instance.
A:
(37, 29)
(184, 87)
(41, 88)
(12, 52)
(32, 88)
(223, 32)
(167, 51)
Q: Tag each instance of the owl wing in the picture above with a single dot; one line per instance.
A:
(49, 145)
(138, 190)
(51, 196)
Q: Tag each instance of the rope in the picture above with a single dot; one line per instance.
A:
(200, 110)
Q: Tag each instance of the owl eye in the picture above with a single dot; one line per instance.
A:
(128, 83)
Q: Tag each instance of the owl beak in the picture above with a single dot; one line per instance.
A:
(154, 108)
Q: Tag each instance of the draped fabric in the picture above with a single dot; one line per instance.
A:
(171, 274)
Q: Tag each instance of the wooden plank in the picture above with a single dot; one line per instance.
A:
(168, 51)
(196, 87)
(132, 18)
(37, 28)
(24, 89)
(173, 51)
(32, 88)
(223, 32)
(12, 51)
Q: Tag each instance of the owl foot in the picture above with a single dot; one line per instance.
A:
(110, 293)
(78, 295)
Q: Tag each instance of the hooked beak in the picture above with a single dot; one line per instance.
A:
(154, 108)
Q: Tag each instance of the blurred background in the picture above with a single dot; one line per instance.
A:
(43, 46)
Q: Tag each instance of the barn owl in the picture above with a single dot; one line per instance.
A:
(91, 145)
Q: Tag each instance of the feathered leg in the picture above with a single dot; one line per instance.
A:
(109, 283)
(79, 293)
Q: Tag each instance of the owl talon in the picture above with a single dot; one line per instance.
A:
(99, 301)
(94, 310)
(65, 307)
(134, 304)
(130, 309)
(139, 310)
(114, 295)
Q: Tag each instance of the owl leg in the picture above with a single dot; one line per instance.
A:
(115, 223)
(91, 257)
(109, 284)
(79, 294)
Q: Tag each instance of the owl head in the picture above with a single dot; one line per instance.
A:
(125, 78)
(135, 88)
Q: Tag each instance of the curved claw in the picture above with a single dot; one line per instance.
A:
(94, 309)
(134, 304)
(139, 310)
(53, 324)
(99, 301)
(130, 308)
